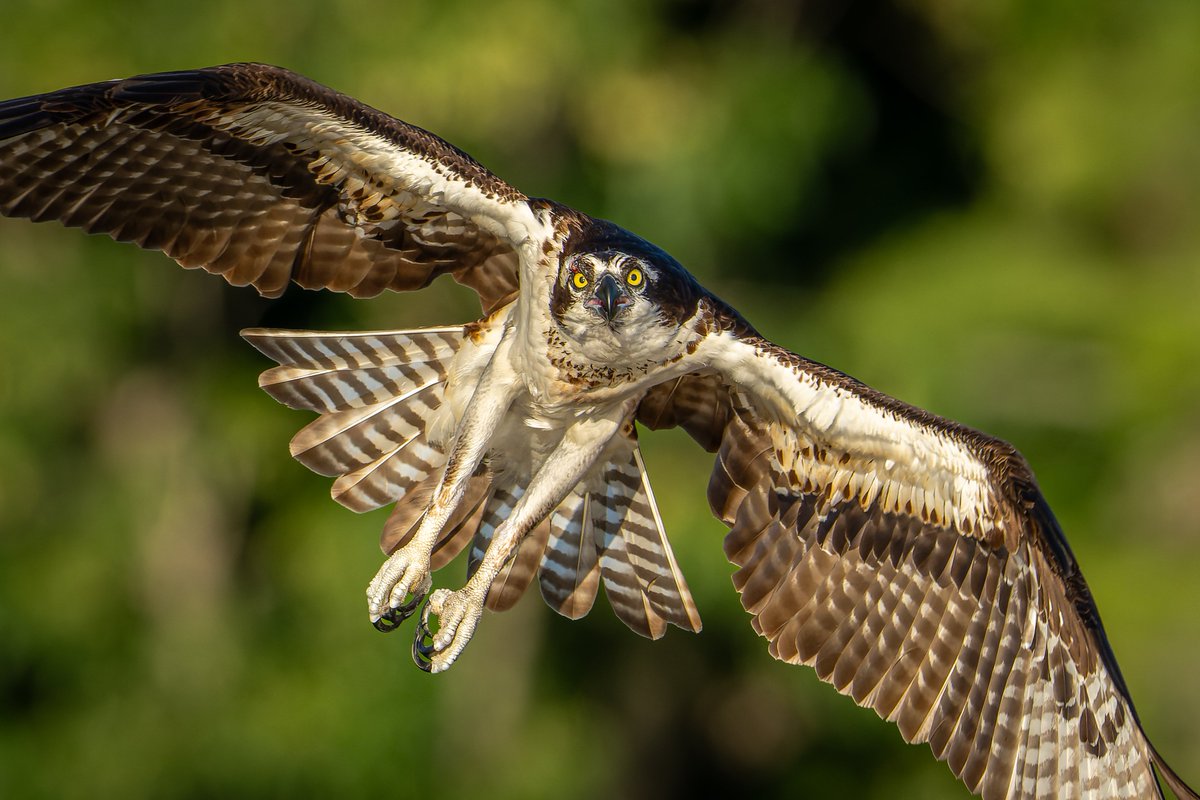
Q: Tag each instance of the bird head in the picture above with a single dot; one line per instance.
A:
(618, 297)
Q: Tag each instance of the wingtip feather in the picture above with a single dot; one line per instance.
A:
(1181, 790)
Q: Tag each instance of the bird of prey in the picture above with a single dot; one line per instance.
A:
(910, 560)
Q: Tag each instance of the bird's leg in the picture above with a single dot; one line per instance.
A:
(407, 571)
(458, 612)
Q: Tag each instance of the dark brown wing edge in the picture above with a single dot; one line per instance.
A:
(1085, 607)
(705, 407)
(152, 160)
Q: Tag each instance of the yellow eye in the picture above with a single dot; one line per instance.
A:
(579, 280)
(634, 278)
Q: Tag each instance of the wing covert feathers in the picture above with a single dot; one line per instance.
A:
(263, 177)
(914, 564)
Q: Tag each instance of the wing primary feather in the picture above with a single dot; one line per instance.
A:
(270, 168)
(915, 565)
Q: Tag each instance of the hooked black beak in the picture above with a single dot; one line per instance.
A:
(608, 297)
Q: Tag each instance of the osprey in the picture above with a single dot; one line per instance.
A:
(911, 561)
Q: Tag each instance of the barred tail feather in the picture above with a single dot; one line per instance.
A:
(324, 390)
(569, 573)
(355, 349)
(508, 587)
(342, 441)
(377, 392)
(497, 507)
(616, 535)
(389, 478)
(465, 520)
(654, 561)
(402, 523)
(514, 578)
(622, 585)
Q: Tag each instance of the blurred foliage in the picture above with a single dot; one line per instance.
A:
(988, 209)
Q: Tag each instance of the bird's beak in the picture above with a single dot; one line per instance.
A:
(609, 298)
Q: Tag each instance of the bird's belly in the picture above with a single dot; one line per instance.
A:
(548, 400)
(529, 434)
(532, 431)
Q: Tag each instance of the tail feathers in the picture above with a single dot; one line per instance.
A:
(378, 394)
(342, 441)
(463, 522)
(323, 350)
(401, 524)
(325, 390)
(508, 587)
(569, 573)
(516, 575)
(653, 559)
(455, 534)
(499, 504)
(389, 478)
(616, 535)
(485, 505)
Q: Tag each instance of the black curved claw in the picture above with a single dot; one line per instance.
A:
(392, 619)
(389, 621)
(422, 649)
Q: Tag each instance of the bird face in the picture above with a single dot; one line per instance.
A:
(618, 302)
(609, 286)
(604, 303)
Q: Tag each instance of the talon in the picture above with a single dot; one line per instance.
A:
(422, 653)
(391, 619)
(388, 622)
(396, 592)
(406, 609)
(457, 614)
(423, 647)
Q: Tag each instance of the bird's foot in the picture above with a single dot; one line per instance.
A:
(398, 588)
(457, 615)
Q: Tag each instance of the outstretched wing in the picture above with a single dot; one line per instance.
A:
(264, 177)
(915, 565)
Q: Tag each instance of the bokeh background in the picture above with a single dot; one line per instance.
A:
(988, 209)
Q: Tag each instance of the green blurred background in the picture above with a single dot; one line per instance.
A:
(990, 210)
